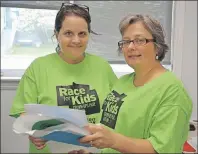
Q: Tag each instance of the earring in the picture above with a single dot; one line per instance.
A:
(156, 57)
(58, 49)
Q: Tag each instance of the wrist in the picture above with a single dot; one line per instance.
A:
(115, 139)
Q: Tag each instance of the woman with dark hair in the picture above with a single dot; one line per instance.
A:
(70, 77)
(148, 111)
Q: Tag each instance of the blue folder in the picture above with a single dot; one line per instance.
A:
(65, 137)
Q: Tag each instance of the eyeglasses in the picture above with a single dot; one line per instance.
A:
(71, 4)
(137, 42)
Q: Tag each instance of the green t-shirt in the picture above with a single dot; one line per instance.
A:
(159, 111)
(50, 80)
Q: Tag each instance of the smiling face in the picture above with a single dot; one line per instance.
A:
(142, 55)
(73, 37)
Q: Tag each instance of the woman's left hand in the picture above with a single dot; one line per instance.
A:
(100, 137)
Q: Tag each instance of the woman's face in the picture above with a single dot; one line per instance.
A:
(73, 37)
(138, 55)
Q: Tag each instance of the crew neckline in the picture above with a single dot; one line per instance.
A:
(72, 65)
(132, 75)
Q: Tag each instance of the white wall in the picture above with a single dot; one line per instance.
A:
(10, 142)
(185, 48)
(189, 60)
(184, 65)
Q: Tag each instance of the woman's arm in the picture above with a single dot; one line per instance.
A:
(102, 137)
(125, 144)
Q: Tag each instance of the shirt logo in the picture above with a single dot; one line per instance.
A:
(78, 96)
(111, 108)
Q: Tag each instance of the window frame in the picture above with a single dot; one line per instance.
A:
(32, 4)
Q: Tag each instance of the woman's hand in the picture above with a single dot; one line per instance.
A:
(39, 143)
(100, 137)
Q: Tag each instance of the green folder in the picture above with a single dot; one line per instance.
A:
(40, 125)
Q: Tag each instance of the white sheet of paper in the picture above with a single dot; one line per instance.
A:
(77, 117)
(74, 120)
(24, 123)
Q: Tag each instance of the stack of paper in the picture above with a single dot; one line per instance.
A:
(62, 127)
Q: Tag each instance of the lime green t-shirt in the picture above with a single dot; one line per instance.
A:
(159, 111)
(50, 80)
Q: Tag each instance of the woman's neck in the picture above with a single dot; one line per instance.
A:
(70, 60)
(144, 74)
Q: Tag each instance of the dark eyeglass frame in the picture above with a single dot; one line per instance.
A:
(79, 5)
(120, 43)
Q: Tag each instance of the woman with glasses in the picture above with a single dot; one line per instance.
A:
(148, 111)
(70, 77)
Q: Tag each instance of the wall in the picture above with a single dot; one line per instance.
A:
(189, 62)
(10, 142)
(185, 66)
(185, 48)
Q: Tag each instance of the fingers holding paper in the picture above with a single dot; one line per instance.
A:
(100, 137)
(38, 142)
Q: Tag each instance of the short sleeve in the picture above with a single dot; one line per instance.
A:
(170, 124)
(26, 92)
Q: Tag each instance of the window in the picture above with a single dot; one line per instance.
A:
(27, 29)
(26, 34)
(107, 15)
